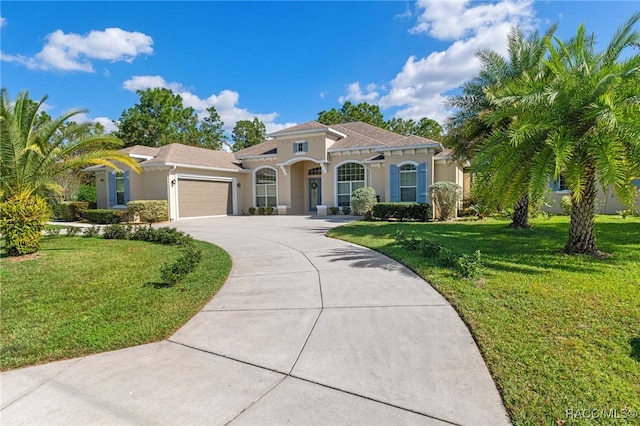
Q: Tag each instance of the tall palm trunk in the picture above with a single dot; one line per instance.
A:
(520, 219)
(582, 238)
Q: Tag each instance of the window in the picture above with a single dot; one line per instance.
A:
(315, 171)
(560, 184)
(120, 189)
(408, 183)
(266, 185)
(300, 147)
(350, 177)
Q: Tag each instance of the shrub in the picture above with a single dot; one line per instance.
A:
(71, 211)
(52, 232)
(402, 211)
(172, 274)
(624, 213)
(447, 258)
(362, 200)
(92, 232)
(116, 232)
(481, 210)
(470, 266)
(567, 204)
(87, 193)
(149, 211)
(22, 220)
(252, 211)
(72, 231)
(164, 235)
(268, 210)
(429, 248)
(445, 196)
(261, 210)
(102, 216)
(334, 210)
(346, 210)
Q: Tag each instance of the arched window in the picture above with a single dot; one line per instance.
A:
(350, 176)
(408, 183)
(266, 188)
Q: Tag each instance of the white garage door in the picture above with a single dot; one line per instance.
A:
(204, 198)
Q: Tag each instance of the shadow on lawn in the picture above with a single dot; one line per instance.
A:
(528, 251)
(635, 348)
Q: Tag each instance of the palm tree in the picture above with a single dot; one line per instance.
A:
(468, 128)
(582, 120)
(35, 148)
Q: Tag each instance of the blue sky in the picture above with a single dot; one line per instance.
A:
(280, 61)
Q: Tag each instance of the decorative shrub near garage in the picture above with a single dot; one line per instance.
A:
(148, 211)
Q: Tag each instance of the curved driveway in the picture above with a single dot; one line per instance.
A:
(307, 330)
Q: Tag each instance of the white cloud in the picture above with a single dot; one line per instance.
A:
(3, 21)
(225, 102)
(108, 124)
(356, 95)
(75, 52)
(420, 88)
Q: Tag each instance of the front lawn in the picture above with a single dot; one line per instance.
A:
(81, 295)
(560, 334)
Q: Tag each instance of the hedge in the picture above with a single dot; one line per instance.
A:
(149, 211)
(102, 216)
(402, 211)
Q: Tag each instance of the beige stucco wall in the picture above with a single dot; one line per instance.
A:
(316, 147)
(606, 203)
(398, 158)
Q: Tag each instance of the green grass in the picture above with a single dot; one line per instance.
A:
(557, 332)
(80, 296)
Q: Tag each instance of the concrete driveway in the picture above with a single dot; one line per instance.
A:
(307, 330)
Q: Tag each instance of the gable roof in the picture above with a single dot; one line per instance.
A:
(180, 155)
(265, 148)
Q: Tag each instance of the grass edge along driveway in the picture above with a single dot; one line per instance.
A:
(80, 296)
(560, 334)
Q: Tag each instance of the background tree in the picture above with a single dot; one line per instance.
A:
(580, 120)
(212, 135)
(468, 129)
(34, 150)
(158, 119)
(350, 113)
(426, 128)
(247, 133)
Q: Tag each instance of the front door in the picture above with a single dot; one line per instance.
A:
(315, 193)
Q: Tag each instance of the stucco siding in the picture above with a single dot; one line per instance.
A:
(606, 202)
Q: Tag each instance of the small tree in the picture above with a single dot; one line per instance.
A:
(445, 196)
(363, 200)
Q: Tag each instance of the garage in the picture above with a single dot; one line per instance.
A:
(198, 197)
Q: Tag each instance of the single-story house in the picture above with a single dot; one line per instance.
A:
(303, 169)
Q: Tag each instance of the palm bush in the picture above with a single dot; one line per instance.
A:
(34, 149)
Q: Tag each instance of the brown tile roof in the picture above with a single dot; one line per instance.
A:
(265, 148)
(413, 140)
(309, 125)
(176, 153)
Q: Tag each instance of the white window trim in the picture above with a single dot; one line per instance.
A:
(253, 184)
(335, 177)
(399, 165)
